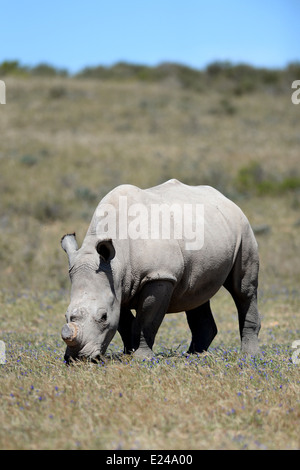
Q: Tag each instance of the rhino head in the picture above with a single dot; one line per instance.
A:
(93, 314)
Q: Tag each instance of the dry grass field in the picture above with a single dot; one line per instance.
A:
(65, 142)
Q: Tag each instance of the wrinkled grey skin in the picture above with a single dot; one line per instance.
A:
(155, 277)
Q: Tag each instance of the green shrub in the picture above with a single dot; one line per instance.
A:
(85, 194)
(249, 177)
(12, 67)
(46, 70)
(46, 211)
(293, 71)
(244, 87)
(270, 77)
(243, 78)
(28, 160)
(217, 68)
(98, 72)
(290, 183)
(253, 179)
(57, 92)
(227, 107)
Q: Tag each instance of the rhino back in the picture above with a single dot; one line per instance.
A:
(196, 274)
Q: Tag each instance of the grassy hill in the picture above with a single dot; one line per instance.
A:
(65, 142)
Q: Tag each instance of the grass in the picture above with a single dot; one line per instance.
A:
(219, 400)
(67, 141)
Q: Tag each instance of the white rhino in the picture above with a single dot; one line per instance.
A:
(126, 263)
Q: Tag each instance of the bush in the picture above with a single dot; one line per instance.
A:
(57, 92)
(12, 67)
(243, 78)
(45, 70)
(48, 211)
(253, 179)
(28, 160)
(217, 68)
(85, 194)
(249, 177)
(187, 77)
(227, 107)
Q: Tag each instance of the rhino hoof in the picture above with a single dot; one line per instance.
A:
(141, 354)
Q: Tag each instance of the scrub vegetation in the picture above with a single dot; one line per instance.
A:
(65, 142)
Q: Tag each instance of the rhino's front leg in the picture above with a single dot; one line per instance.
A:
(125, 329)
(153, 303)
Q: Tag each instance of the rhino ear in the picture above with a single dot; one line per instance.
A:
(69, 244)
(106, 250)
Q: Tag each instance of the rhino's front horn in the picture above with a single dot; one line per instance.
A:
(69, 333)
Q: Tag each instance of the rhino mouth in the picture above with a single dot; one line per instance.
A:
(88, 353)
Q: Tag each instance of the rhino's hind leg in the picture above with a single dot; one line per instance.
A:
(249, 322)
(202, 326)
(153, 303)
(242, 284)
(125, 329)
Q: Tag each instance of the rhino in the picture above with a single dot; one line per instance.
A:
(127, 264)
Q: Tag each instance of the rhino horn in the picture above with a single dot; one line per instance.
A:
(69, 244)
(69, 333)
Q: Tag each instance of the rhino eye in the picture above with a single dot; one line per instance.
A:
(100, 316)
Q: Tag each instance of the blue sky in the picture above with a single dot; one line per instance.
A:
(73, 34)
